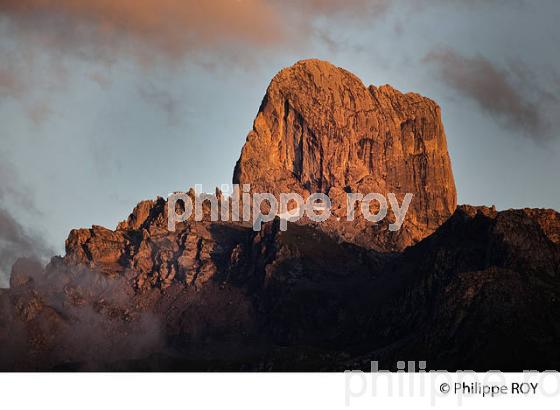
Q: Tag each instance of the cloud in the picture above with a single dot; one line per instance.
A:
(106, 30)
(16, 242)
(510, 94)
(174, 26)
(163, 100)
(335, 8)
(88, 319)
(39, 37)
(102, 28)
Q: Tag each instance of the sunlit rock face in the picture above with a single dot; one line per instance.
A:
(319, 129)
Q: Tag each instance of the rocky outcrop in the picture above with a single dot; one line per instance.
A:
(482, 292)
(319, 129)
(143, 250)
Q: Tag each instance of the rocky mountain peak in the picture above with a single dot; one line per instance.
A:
(319, 129)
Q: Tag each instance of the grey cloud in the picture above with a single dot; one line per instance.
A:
(510, 94)
(46, 37)
(163, 100)
(155, 31)
(16, 242)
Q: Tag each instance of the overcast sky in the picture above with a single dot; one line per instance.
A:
(104, 103)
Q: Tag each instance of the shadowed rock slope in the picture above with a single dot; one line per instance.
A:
(482, 292)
